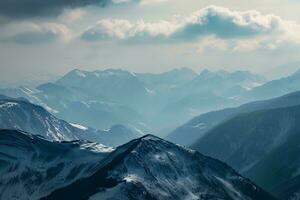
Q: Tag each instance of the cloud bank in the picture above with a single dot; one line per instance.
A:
(210, 21)
(211, 27)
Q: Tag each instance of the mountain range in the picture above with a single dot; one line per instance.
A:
(151, 103)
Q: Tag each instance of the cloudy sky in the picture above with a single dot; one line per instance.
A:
(40, 39)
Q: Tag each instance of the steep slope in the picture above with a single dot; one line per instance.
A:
(32, 167)
(15, 114)
(278, 171)
(151, 168)
(193, 130)
(22, 115)
(245, 139)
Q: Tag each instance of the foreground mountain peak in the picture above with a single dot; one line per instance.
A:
(152, 168)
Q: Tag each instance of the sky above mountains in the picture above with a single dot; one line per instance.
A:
(50, 38)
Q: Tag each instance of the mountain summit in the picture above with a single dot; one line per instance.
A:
(151, 168)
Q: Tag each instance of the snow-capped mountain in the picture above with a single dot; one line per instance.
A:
(22, 115)
(32, 167)
(113, 84)
(151, 168)
(75, 105)
(196, 128)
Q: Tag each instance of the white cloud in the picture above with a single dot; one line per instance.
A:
(247, 29)
(124, 29)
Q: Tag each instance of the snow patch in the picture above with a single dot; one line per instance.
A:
(234, 98)
(131, 178)
(132, 73)
(149, 91)
(28, 91)
(49, 109)
(95, 147)
(200, 126)
(85, 104)
(251, 85)
(8, 105)
(79, 126)
(80, 73)
(233, 192)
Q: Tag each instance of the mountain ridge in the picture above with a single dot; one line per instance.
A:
(134, 179)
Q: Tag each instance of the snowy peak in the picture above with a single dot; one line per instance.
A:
(32, 167)
(152, 168)
(112, 84)
(21, 115)
(79, 75)
(115, 72)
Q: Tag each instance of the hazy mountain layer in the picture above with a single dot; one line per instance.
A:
(196, 128)
(152, 103)
(245, 139)
(275, 88)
